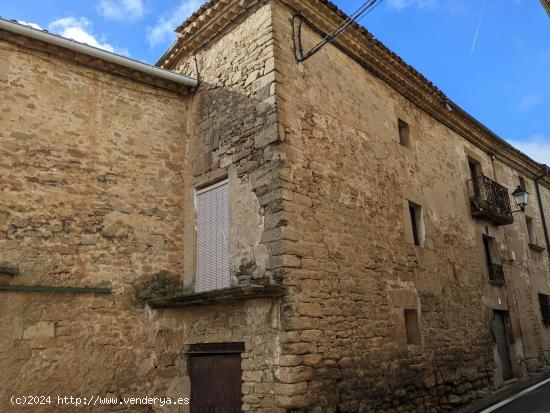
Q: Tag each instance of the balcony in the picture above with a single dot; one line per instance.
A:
(490, 201)
(496, 273)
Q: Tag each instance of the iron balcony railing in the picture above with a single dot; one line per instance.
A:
(490, 200)
(496, 273)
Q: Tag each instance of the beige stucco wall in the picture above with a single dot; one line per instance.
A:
(350, 181)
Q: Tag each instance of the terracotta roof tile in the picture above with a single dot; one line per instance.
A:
(196, 15)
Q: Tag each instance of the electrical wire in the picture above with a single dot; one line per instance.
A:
(367, 7)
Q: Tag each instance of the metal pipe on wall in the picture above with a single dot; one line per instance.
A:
(50, 289)
(541, 207)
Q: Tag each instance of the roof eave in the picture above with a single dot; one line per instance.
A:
(196, 31)
(16, 32)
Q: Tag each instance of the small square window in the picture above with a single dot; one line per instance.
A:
(412, 327)
(404, 133)
(417, 224)
(544, 301)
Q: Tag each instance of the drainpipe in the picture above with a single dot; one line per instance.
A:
(97, 53)
(541, 206)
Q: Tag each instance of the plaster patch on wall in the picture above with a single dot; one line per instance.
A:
(248, 256)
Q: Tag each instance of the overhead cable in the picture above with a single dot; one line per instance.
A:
(365, 9)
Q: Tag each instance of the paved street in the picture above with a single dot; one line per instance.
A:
(536, 401)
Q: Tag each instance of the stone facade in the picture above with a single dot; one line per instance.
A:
(98, 175)
(97, 185)
(77, 211)
(351, 181)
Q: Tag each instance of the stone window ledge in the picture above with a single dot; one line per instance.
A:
(218, 296)
(536, 248)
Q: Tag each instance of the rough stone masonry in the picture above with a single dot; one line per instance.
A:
(98, 173)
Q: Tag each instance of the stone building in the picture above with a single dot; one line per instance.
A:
(327, 236)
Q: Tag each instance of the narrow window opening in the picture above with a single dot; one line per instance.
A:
(412, 327)
(417, 223)
(475, 174)
(404, 133)
(544, 301)
(496, 271)
(531, 230)
(212, 259)
(487, 244)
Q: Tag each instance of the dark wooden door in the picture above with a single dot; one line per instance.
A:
(216, 385)
(503, 347)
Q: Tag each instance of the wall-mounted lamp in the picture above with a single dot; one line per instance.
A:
(521, 196)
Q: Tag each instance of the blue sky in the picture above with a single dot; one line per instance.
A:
(492, 57)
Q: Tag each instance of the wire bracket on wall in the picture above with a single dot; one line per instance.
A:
(298, 19)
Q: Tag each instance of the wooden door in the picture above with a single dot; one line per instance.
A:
(216, 385)
(503, 347)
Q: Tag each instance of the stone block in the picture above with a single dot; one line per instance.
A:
(291, 375)
(294, 402)
(41, 329)
(312, 359)
(285, 389)
(289, 261)
(310, 309)
(290, 360)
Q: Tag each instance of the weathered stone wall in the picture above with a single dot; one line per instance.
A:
(349, 182)
(236, 127)
(534, 274)
(97, 176)
(90, 179)
(527, 275)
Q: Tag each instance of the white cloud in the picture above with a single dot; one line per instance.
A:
(421, 4)
(529, 102)
(79, 30)
(30, 24)
(122, 10)
(163, 30)
(537, 147)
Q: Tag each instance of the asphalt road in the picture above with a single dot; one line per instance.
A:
(536, 401)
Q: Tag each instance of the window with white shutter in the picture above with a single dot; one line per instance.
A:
(212, 204)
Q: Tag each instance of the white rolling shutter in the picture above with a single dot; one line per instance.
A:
(212, 205)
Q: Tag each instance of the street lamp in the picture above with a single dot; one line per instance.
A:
(521, 196)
